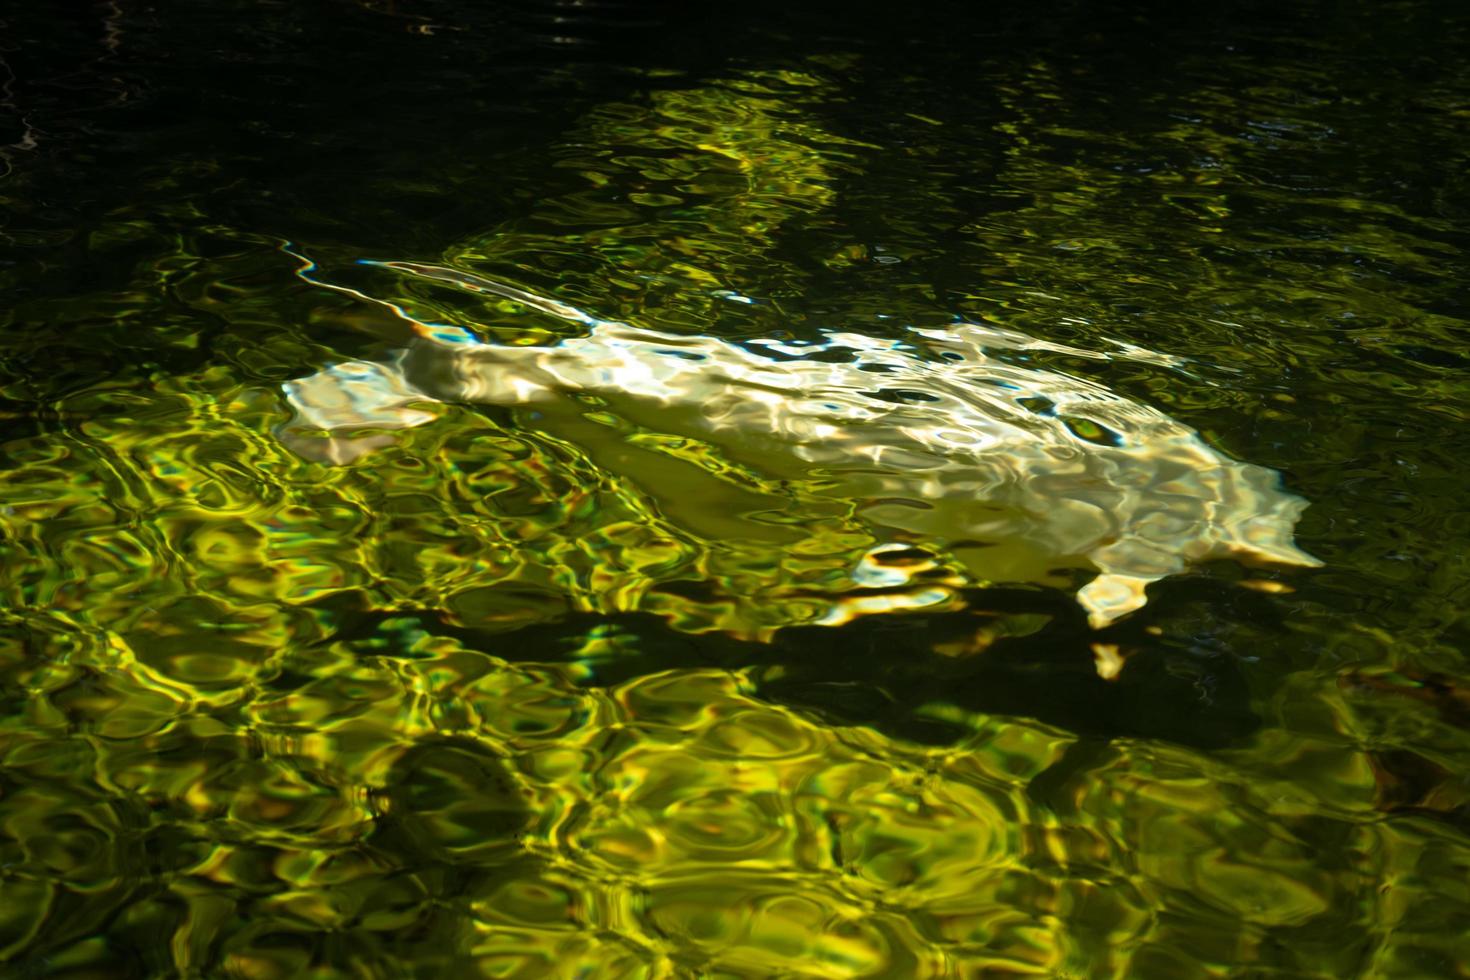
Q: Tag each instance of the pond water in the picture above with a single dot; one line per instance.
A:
(620, 489)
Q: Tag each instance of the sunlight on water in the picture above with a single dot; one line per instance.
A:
(601, 490)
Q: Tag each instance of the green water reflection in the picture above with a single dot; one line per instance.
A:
(491, 700)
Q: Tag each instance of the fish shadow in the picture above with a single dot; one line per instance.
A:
(926, 676)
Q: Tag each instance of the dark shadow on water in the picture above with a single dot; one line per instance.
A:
(915, 676)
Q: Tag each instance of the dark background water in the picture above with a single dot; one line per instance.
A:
(1277, 193)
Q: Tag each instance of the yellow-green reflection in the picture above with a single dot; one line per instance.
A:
(272, 718)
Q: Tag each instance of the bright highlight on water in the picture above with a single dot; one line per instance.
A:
(946, 439)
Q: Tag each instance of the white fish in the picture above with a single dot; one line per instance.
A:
(933, 436)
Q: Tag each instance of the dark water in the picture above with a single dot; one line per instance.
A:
(574, 688)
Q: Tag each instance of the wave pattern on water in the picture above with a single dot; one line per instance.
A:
(265, 718)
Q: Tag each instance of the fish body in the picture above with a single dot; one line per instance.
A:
(944, 435)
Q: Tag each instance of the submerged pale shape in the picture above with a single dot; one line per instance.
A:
(1021, 469)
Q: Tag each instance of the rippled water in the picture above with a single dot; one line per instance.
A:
(594, 489)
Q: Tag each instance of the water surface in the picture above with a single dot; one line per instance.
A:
(530, 687)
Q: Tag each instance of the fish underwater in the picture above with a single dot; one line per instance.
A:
(946, 435)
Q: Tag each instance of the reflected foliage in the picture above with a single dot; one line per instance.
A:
(483, 703)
